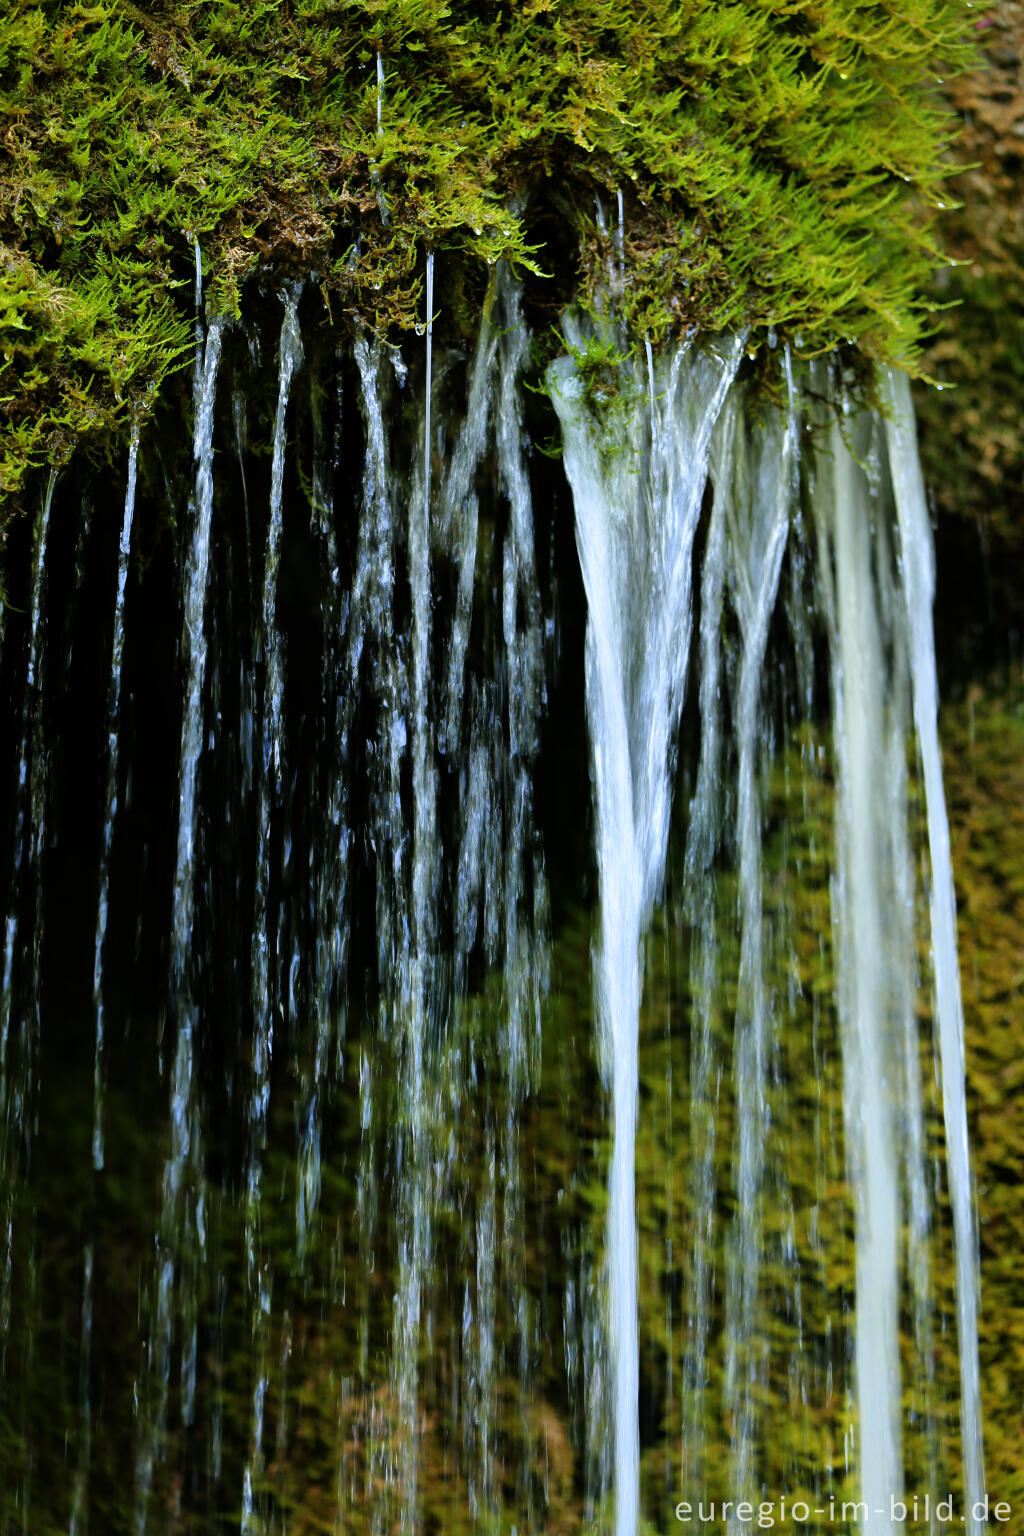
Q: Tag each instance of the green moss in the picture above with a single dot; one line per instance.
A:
(777, 162)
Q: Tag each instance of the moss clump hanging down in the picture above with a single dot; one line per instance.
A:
(778, 160)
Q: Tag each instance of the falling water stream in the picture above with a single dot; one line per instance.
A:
(637, 485)
(110, 805)
(918, 561)
(867, 850)
(506, 1057)
(755, 486)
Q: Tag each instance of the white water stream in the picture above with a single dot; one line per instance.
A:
(264, 973)
(855, 558)
(918, 571)
(194, 651)
(637, 472)
(110, 802)
(621, 469)
(756, 485)
(397, 971)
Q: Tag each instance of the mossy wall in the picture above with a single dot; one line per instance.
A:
(972, 448)
(779, 164)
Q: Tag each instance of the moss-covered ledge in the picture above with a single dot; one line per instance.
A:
(779, 163)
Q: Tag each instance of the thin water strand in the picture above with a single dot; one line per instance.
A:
(918, 566)
(181, 1234)
(525, 960)
(263, 999)
(372, 631)
(18, 1069)
(289, 358)
(111, 798)
(29, 791)
(414, 1196)
(327, 862)
(424, 785)
(39, 773)
(460, 509)
(194, 651)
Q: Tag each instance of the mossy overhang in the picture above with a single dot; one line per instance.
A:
(779, 164)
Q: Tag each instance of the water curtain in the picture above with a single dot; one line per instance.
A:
(438, 1214)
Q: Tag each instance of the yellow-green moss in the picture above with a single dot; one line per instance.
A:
(777, 162)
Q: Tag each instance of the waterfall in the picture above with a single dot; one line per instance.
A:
(328, 867)
(451, 1159)
(756, 484)
(265, 987)
(867, 848)
(918, 568)
(701, 847)
(415, 1202)
(526, 971)
(637, 487)
(181, 1238)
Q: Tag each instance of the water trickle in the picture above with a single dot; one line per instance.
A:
(30, 790)
(111, 796)
(266, 975)
(19, 1055)
(526, 970)
(328, 860)
(264, 987)
(414, 978)
(181, 1235)
(193, 653)
(460, 511)
(918, 571)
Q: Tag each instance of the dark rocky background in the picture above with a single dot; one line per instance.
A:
(971, 438)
